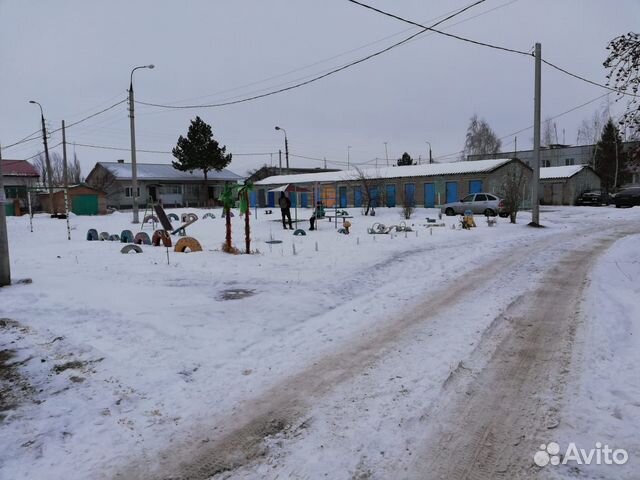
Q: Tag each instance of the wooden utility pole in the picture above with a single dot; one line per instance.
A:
(66, 180)
(5, 271)
(535, 180)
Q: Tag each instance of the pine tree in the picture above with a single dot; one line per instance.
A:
(405, 160)
(610, 157)
(200, 151)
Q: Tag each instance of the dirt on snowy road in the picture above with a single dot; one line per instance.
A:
(507, 391)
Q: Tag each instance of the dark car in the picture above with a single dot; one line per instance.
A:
(627, 197)
(592, 197)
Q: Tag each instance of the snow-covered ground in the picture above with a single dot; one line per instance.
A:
(132, 364)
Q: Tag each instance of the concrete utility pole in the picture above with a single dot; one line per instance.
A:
(280, 160)
(46, 157)
(65, 173)
(5, 271)
(286, 145)
(386, 153)
(134, 167)
(535, 180)
(348, 156)
(430, 156)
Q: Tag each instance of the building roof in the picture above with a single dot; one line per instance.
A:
(568, 171)
(425, 170)
(18, 168)
(165, 171)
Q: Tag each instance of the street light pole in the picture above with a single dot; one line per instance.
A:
(134, 167)
(386, 153)
(47, 160)
(430, 157)
(286, 145)
(348, 155)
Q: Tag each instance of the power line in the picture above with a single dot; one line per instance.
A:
(531, 126)
(163, 152)
(319, 77)
(489, 45)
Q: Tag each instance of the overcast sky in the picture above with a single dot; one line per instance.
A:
(75, 58)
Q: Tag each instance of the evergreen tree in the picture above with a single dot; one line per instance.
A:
(610, 157)
(200, 151)
(405, 160)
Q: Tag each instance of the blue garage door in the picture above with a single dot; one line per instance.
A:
(342, 195)
(271, 199)
(429, 195)
(253, 198)
(304, 200)
(452, 191)
(294, 199)
(475, 186)
(410, 194)
(391, 195)
(357, 197)
(374, 197)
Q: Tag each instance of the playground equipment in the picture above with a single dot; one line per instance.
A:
(126, 236)
(92, 235)
(467, 222)
(173, 216)
(166, 224)
(131, 248)
(208, 215)
(299, 231)
(379, 229)
(142, 238)
(161, 236)
(114, 238)
(403, 227)
(189, 217)
(150, 218)
(104, 236)
(188, 242)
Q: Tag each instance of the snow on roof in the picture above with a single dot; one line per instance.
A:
(425, 170)
(568, 171)
(18, 168)
(164, 171)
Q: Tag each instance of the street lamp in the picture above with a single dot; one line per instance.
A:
(286, 145)
(430, 157)
(386, 153)
(348, 155)
(134, 169)
(46, 156)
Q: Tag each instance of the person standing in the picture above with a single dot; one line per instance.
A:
(285, 210)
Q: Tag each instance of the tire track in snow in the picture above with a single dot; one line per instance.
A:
(240, 440)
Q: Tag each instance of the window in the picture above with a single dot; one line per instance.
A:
(468, 198)
(546, 163)
(129, 190)
(569, 161)
(481, 198)
(171, 189)
(491, 197)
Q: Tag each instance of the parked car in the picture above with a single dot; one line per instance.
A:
(627, 197)
(479, 203)
(592, 197)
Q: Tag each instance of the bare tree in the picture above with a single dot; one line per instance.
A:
(590, 129)
(40, 164)
(512, 190)
(371, 188)
(549, 133)
(480, 139)
(408, 204)
(102, 179)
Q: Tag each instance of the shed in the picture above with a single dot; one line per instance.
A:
(83, 200)
(562, 185)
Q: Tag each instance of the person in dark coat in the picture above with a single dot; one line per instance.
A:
(285, 209)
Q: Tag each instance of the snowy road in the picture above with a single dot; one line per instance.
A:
(443, 355)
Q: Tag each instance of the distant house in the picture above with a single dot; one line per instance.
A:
(562, 185)
(157, 182)
(83, 200)
(557, 155)
(18, 176)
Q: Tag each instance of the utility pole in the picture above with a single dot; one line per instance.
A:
(348, 155)
(280, 160)
(535, 180)
(430, 156)
(386, 153)
(325, 163)
(5, 271)
(46, 157)
(286, 149)
(65, 173)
